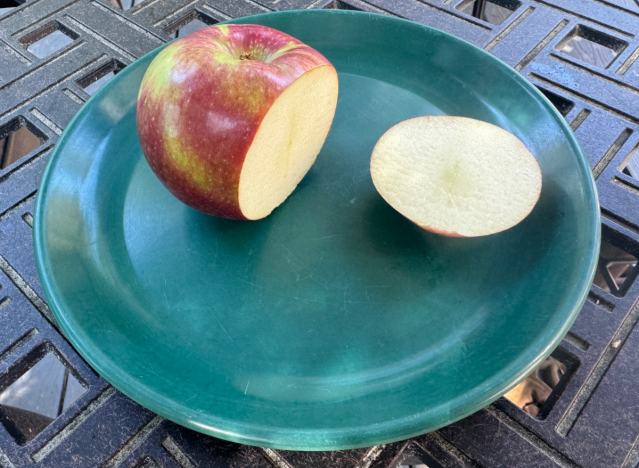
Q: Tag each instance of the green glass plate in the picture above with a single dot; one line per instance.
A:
(334, 323)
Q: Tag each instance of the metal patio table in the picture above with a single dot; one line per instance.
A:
(582, 54)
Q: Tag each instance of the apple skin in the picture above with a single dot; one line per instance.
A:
(201, 103)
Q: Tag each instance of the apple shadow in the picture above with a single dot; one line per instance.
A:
(235, 236)
(406, 250)
(493, 263)
(238, 235)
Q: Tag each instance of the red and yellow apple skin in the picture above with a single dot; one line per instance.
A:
(201, 103)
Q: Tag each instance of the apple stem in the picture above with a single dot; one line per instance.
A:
(247, 56)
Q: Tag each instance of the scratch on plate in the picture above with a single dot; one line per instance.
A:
(220, 323)
(189, 399)
(329, 237)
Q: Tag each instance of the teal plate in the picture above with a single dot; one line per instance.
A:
(334, 323)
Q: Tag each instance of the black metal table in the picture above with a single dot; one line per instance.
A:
(581, 53)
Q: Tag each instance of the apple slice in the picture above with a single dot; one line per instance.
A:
(231, 117)
(456, 176)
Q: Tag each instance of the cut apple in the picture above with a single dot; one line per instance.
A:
(231, 117)
(456, 176)
(287, 142)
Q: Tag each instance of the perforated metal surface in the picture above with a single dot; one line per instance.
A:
(593, 421)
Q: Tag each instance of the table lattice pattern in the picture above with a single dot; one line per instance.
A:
(593, 421)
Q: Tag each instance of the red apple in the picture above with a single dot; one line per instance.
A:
(456, 176)
(231, 117)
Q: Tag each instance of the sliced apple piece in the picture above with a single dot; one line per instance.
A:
(456, 176)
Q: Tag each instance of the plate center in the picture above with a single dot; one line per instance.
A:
(325, 277)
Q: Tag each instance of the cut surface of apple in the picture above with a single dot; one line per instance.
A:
(456, 176)
(287, 142)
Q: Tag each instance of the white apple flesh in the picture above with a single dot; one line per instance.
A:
(287, 142)
(456, 176)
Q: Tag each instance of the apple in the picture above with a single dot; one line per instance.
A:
(456, 176)
(231, 117)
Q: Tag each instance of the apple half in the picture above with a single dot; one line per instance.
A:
(456, 176)
(231, 117)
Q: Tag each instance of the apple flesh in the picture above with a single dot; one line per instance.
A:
(456, 176)
(230, 118)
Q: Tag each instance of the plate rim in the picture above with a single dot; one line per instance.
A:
(109, 373)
